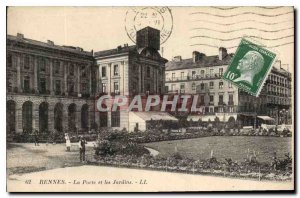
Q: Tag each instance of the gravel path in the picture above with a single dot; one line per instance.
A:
(100, 178)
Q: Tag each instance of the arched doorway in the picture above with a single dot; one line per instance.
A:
(58, 117)
(43, 117)
(103, 118)
(115, 118)
(85, 117)
(72, 117)
(27, 117)
(10, 116)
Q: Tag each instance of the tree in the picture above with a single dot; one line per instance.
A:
(231, 122)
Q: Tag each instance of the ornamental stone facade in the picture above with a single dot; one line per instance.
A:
(49, 87)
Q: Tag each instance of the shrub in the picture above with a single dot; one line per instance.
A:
(115, 145)
(177, 156)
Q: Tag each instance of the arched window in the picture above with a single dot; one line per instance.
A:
(43, 117)
(10, 116)
(58, 117)
(85, 117)
(72, 117)
(27, 117)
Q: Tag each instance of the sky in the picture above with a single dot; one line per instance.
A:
(202, 29)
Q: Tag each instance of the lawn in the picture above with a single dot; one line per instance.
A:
(226, 147)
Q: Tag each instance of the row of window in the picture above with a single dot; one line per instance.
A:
(57, 86)
(221, 99)
(116, 71)
(115, 87)
(43, 62)
(277, 100)
(278, 79)
(202, 86)
(220, 109)
(193, 76)
(277, 90)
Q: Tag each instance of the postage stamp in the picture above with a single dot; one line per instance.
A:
(250, 67)
(160, 18)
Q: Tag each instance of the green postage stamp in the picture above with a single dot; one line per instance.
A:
(250, 67)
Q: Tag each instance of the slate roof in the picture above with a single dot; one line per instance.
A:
(133, 48)
(119, 50)
(47, 45)
(281, 71)
(205, 61)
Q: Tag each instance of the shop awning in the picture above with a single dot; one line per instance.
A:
(155, 116)
(267, 118)
(223, 117)
(203, 118)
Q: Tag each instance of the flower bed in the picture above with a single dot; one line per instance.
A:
(247, 169)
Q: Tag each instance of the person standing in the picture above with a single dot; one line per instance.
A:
(82, 142)
(36, 138)
(68, 142)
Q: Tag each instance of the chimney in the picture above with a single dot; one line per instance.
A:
(196, 55)
(222, 53)
(177, 58)
(50, 42)
(79, 49)
(20, 36)
(278, 64)
(148, 37)
(119, 48)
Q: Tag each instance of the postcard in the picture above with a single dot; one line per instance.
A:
(150, 99)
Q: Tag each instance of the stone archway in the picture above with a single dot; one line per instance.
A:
(43, 117)
(85, 117)
(72, 117)
(103, 117)
(11, 116)
(115, 118)
(58, 117)
(27, 116)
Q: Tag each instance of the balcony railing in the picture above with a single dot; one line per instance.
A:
(196, 77)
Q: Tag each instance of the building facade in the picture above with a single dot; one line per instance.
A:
(129, 71)
(56, 88)
(202, 75)
(49, 87)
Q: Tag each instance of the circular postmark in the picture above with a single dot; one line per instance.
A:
(156, 17)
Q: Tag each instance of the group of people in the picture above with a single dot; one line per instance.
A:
(81, 144)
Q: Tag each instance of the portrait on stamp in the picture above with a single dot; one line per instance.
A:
(250, 67)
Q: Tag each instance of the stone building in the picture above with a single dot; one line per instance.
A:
(202, 75)
(49, 87)
(128, 71)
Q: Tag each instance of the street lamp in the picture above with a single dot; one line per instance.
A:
(255, 113)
